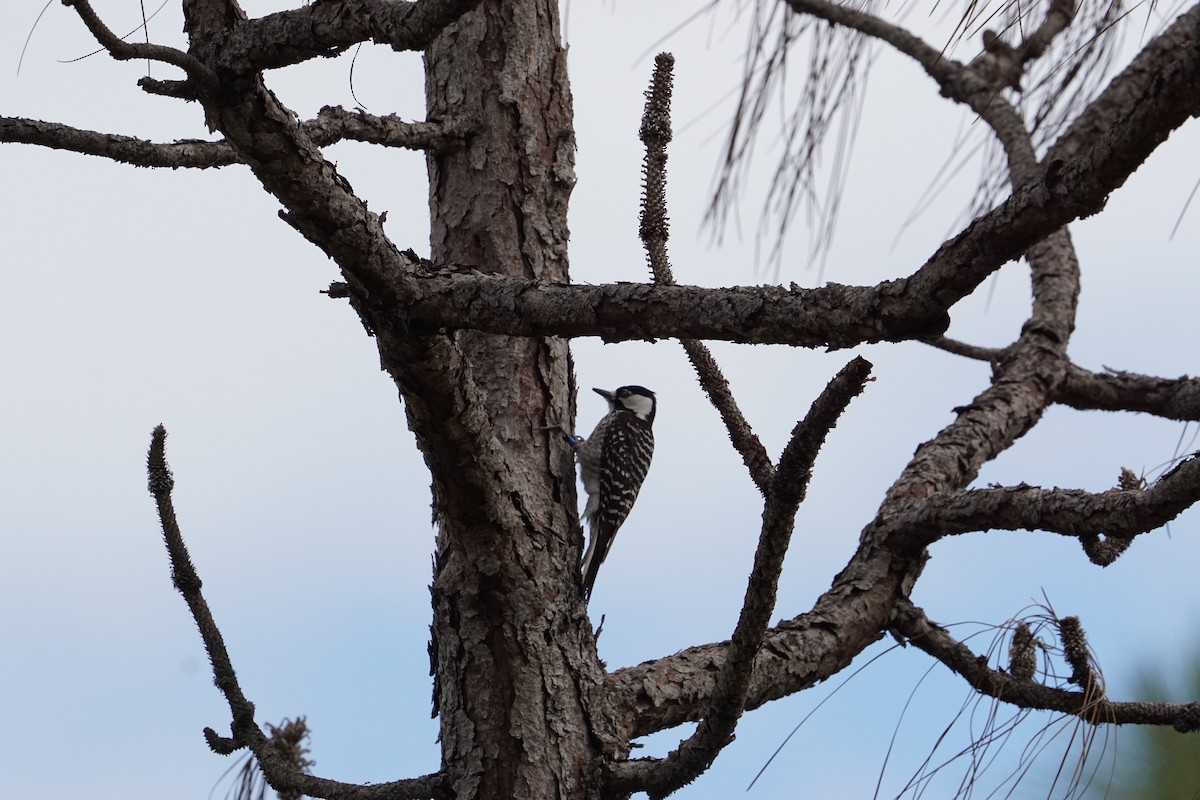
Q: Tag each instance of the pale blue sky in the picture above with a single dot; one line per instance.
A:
(133, 297)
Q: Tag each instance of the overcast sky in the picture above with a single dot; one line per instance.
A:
(133, 297)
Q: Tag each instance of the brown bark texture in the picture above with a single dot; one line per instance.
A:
(476, 339)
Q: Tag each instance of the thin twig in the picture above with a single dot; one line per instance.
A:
(966, 350)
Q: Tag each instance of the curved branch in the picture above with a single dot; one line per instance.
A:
(1088, 705)
(964, 84)
(122, 50)
(280, 774)
(967, 350)
(1115, 390)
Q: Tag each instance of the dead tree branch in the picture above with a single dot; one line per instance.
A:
(1122, 514)
(655, 231)
(331, 125)
(122, 50)
(661, 777)
(325, 30)
(1089, 706)
(1116, 390)
(280, 773)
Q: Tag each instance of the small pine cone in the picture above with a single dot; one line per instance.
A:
(1074, 642)
(1022, 653)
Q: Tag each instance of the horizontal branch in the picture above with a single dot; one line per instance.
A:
(833, 315)
(1171, 398)
(332, 124)
(335, 124)
(1070, 512)
(327, 29)
(122, 149)
(1112, 390)
(1088, 705)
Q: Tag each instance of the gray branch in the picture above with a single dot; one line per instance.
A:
(1071, 512)
(332, 124)
(654, 230)
(1089, 705)
(327, 29)
(1171, 398)
(122, 50)
(280, 774)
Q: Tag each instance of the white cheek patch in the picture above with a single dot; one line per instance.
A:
(638, 404)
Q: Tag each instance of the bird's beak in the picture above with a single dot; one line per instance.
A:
(607, 395)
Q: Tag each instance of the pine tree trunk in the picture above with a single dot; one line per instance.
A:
(512, 647)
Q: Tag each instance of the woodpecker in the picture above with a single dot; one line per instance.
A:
(614, 461)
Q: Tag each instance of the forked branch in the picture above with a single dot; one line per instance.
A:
(122, 50)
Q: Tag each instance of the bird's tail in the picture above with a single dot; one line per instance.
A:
(591, 568)
(596, 551)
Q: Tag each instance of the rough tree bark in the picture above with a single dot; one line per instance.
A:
(513, 651)
(471, 338)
